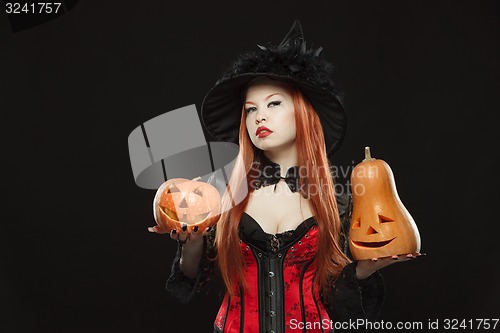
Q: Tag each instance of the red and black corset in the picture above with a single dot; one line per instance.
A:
(279, 271)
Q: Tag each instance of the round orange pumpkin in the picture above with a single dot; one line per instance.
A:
(381, 226)
(180, 201)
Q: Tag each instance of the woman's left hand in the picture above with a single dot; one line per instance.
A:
(365, 268)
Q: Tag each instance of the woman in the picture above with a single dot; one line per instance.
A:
(278, 245)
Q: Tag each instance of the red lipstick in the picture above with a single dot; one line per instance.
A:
(263, 131)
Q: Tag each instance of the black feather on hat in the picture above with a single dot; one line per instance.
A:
(290, 61)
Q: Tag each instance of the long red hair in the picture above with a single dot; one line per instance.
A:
(311, 154)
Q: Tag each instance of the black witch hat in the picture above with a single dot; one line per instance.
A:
(291, 62)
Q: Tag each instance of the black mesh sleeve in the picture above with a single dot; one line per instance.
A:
(184, 288)
(357, 299)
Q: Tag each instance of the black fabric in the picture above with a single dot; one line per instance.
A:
(291, 62)
(265, 172)
(252, 233)
(184, 288)
(356, 299)
(350, 299)
(269, 173)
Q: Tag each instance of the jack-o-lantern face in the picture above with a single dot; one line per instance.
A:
(376, 234)
(380, 226)
(181, 201)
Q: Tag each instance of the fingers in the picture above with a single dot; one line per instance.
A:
(174, 234)
(185, 233)
(196, 233)
(366, 267)
(200, 232)
(408, 256)
(206, 231)
(157, 229)
(385, 261)
(182, 234)
(401, 256)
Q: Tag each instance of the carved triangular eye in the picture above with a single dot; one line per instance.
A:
(198, 191)
(173, 189)
(371, 231)
(384, 219)
(356, 224)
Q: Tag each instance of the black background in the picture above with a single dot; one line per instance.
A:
(421, 84)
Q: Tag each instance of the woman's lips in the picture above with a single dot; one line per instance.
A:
(263, 131)
(263, 134)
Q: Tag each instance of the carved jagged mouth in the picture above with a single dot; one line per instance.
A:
(183, 218)
(170, 213)
(373, 244)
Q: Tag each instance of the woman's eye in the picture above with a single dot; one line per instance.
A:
(250, 109)
(273, 104)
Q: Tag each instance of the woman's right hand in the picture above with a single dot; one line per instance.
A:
(182, 235)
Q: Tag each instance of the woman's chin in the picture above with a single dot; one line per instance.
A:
(267, 146)
(263, 144)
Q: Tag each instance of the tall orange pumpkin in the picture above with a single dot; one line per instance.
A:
(381, 226)
(181, 201)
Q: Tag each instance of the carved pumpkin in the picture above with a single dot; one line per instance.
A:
(380, 226)
(178, 201)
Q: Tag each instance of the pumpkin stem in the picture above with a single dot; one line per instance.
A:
(368, 155)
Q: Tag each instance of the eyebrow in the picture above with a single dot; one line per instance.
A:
(267, 98)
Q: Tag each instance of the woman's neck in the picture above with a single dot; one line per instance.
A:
(285, 158)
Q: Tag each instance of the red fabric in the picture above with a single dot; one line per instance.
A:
(299, 257)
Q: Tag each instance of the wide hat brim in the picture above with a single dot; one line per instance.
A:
(222, 107)
(290, 61)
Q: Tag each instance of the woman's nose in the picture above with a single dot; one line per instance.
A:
(260, 117)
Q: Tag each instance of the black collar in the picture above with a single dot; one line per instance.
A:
(269, 173)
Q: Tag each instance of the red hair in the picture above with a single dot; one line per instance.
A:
(318, 182)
